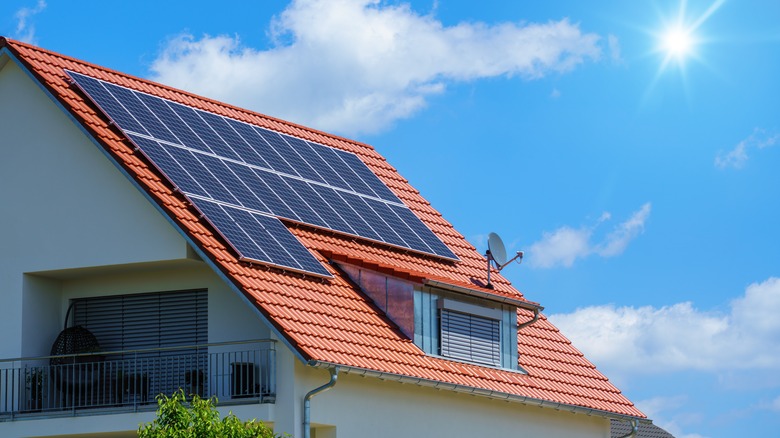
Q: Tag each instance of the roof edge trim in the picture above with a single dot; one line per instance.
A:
(486, 295)
(497, 395)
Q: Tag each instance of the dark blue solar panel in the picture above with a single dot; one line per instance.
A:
(170, 168)
(98, 93)
(368, 177)
(273, 160)
(325, 211)
(233, 184)
(291, 245)
(137, 109)
(360, 227)
(317, 163)
(279, 185)
(275, 204)
(264, 239)
(201, 174)
(410, 237)
(204, 131)
(230, 230)
(385, 232)
(423, 232)
(239, 145)
(324, 168)
(263, 171)
(340, 167)
(284, 149)
(260, 238)
(185, 136)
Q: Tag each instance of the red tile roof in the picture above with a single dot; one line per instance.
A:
(331, 321)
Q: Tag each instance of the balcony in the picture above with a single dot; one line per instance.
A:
(127, 381)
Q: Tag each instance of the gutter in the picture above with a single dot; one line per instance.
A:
(334, 375)
(634, 430)
(463, 389)
(527, 323)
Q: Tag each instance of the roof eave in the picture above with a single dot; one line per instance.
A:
(482, 392)
(484, 295)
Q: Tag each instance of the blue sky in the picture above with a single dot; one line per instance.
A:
(641, 184)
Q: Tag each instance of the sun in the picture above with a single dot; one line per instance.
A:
(677, 42)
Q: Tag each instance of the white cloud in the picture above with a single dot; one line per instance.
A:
(637, 340)
(613, 47)
(555, 93)
(617, 241)
(669, 414)
(359, 65)
(737, 157)
(565, 245)
(25, 31)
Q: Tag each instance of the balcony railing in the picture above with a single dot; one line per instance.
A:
(235, 372)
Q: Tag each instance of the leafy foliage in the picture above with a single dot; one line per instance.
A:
(198, 418)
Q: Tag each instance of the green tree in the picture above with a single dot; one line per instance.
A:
(198, 418)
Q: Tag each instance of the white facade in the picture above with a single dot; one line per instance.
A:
(72, 225)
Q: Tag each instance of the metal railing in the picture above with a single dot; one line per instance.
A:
(235, 372)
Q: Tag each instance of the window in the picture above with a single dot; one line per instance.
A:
(137, 333)
(471, 338)
(143, 321)
(465, 328)
(470, 332)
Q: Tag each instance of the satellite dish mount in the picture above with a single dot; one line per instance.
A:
(496, 254)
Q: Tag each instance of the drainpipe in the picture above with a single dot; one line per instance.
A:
(527, 323)
(634, 429)
(334, 375)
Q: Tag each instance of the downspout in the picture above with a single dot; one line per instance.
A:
(634, 429)
(334, 375)
(527, 323)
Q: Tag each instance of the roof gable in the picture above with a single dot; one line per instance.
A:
(99, 217)
(331, 321)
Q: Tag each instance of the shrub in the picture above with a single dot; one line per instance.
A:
(198, 418)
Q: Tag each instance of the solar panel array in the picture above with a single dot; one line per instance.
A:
(244, 177)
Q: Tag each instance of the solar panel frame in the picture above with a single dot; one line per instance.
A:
(244, 165)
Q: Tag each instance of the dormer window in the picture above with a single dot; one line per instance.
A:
(470, 333)
(465, 328)
(444, 322)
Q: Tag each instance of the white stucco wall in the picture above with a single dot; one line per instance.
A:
(365, 406)
(64, 204)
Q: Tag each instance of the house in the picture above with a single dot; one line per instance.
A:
(153, 239)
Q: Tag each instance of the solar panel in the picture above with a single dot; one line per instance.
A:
(244, 169)
(259, 237)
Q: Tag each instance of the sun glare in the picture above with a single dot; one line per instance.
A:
(677, 42)
(678, 39)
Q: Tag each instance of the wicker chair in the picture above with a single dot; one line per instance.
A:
(76, 376)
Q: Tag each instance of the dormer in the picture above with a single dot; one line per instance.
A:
(447, 321)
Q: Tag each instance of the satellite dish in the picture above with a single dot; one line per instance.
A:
(496, 253)
(496, 248)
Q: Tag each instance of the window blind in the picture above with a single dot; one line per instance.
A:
(149, 320)
(470, 337)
